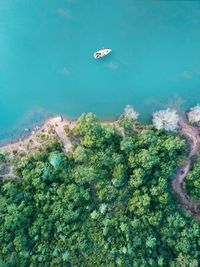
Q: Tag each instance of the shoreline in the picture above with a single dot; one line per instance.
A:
(33, 131)
(34, 137)
(24, 134)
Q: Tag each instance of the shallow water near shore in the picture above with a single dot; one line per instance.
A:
(47, 66)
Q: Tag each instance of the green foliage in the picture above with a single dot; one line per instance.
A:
(106, 203)
(2, 157)
(56, 159)
(127, 124)
(192, 183)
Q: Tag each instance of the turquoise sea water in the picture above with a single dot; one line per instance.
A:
(46, 63)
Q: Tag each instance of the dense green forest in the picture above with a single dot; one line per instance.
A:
(106, 203)
(192, 183)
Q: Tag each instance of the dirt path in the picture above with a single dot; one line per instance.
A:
(193, 137)
(59, 125)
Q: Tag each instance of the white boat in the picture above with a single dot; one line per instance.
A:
(102, 53)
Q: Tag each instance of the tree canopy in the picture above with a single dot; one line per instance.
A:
(192, 183)
(106, 203)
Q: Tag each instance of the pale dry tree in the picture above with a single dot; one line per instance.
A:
(166, 120)
(194, 114)
(130, 113)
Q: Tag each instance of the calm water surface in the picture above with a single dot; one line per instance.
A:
(46, 63)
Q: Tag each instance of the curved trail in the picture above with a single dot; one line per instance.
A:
(192, 135)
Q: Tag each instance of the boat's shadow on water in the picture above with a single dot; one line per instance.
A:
(104, 60)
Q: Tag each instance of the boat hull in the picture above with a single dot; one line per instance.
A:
(102, 53)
